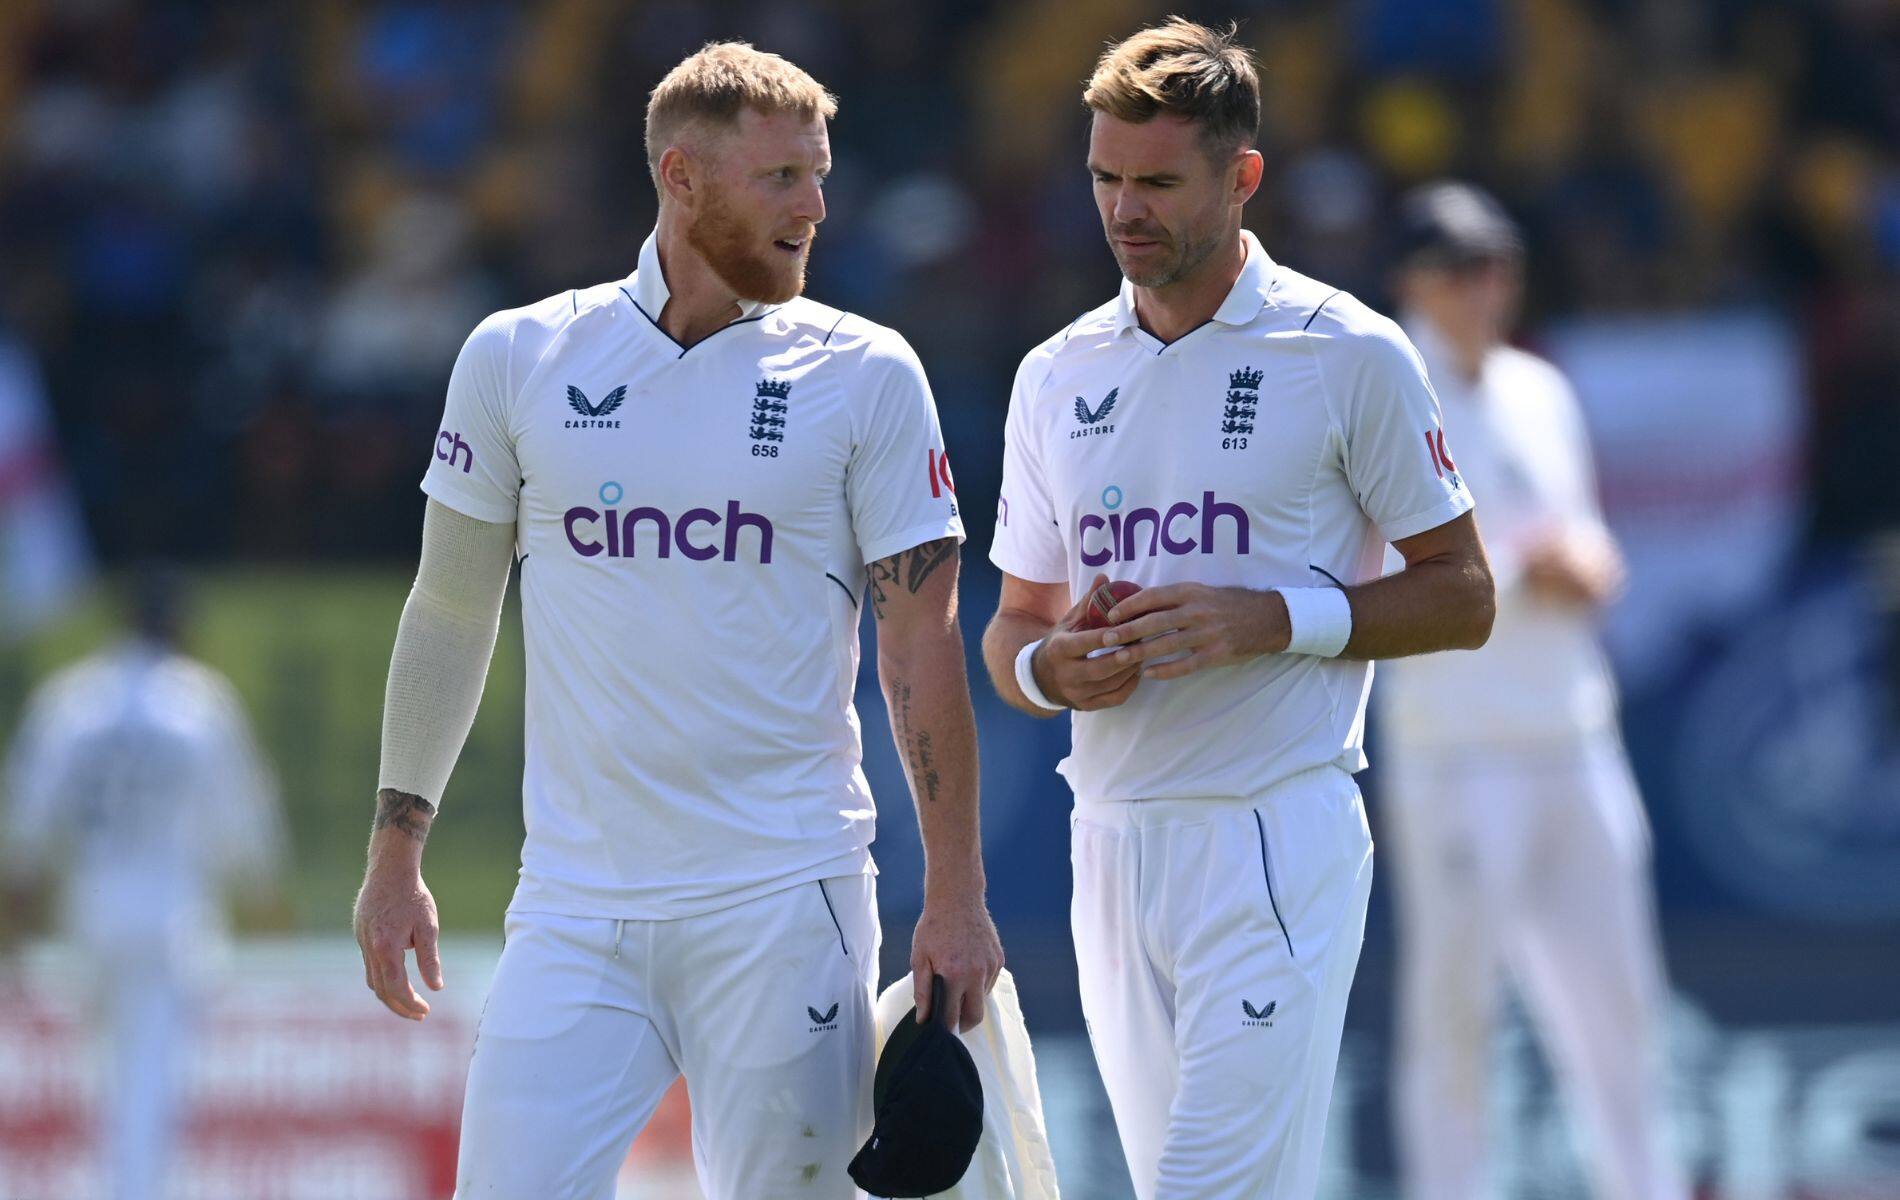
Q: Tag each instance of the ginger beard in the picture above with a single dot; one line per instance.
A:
(753, 266)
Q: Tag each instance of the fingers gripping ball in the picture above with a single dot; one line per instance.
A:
(1103, 600)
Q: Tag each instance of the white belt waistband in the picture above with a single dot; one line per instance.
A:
(1327, 777)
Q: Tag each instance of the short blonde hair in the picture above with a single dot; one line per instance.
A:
(1184, 69)
(714, 84)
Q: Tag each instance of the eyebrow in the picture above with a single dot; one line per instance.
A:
(1156, 177)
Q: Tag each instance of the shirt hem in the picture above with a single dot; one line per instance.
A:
(564, 901)
(1349, 762)
(915, 536)
(1005, 561)
(467, 506)
(1431, 518)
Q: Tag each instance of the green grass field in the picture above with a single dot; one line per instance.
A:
(309, 650)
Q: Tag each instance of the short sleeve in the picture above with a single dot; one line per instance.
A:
(899, 486)
(1397, 457)
(473, 468)
(1028, 540)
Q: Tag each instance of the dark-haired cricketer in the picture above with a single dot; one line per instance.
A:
(1242, 441)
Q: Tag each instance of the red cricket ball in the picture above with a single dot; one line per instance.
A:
(1102, 600)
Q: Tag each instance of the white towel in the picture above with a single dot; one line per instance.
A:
(1012, 1161)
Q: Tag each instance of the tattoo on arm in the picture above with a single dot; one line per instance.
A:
(907, 569)
(407, 812)
(914, 744)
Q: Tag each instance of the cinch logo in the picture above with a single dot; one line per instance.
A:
(1146, 532)
(450, 446)
(616, 534)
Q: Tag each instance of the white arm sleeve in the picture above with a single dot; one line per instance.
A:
(443, 646)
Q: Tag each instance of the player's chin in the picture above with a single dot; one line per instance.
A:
(786, 279)
(1141, 271)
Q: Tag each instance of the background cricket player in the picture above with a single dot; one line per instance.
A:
(696, 466)
(1242, 442)
(135, 778)
(1522, 843)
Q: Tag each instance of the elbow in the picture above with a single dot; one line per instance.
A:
(914, 647)
(1481, 609)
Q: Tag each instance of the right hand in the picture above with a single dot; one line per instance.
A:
(1065, 672)
(394, 913)
(1577, 568)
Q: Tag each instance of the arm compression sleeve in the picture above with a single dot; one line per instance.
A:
(443, 645)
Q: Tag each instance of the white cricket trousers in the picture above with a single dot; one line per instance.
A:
(1532, 860)
(1216, 942)
(151, 1008)
(765, 1007)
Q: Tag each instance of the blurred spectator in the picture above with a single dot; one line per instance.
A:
(43, 553)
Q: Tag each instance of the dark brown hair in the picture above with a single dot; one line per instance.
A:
(1185, 69)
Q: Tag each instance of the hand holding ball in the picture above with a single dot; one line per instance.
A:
(1103, 600)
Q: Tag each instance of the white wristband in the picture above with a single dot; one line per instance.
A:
(1320, 618)
(1026, 678)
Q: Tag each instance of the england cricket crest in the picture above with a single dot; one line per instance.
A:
(1239, 408)
(769, 407)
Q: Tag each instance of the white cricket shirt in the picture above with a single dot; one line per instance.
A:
(1283, 443)
(1522, 443)
(136, 771)
(693, 526)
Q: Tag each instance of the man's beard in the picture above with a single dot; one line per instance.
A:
(1173, 268)
(730, 249)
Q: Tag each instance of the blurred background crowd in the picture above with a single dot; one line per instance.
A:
(241, 243)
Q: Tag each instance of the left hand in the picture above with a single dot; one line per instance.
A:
(956, 939)
(1205, 626)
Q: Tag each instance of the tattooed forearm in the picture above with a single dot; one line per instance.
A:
(914, 745)
(880, 573)
(907, 569)
(409, 813)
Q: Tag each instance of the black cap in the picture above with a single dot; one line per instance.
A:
(1444, 224)
(929, 1104)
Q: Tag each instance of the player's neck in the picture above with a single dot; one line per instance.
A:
(1464, 345)
(699, 303)
(1190, 302)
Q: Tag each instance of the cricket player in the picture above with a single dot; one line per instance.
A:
(1522, 843)
(135, 778)
(1242, 442)
(704, 476)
